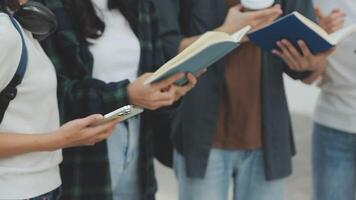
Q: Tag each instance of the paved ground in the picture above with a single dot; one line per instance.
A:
(298, 185)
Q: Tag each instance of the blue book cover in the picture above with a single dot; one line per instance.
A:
(293, 27)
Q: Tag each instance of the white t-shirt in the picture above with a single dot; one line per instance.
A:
(336, 106)
(117, 52)
(33, 111)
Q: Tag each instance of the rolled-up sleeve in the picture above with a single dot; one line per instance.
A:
(170, 32)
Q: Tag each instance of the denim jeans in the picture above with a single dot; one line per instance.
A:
(53, 195)
(334, 164)
(123, 151)
(244, 168)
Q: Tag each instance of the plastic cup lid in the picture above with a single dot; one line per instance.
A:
(257, 4)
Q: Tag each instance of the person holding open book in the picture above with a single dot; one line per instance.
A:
(334, 139)
(99, 48)
(235, 125)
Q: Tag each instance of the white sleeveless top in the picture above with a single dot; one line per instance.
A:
(117, 52)
(33, 111)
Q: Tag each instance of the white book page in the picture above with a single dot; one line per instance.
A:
(241, 33)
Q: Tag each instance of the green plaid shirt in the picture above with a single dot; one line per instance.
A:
(85, 170)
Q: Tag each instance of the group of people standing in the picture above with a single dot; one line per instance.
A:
(234, 125)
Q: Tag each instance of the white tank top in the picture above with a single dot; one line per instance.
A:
(117, 52)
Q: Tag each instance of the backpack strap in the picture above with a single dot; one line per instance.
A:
(10, 91)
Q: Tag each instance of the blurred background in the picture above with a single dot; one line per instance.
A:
(302, 99)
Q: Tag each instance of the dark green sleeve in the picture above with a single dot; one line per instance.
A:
(79, 94)
(170, 31)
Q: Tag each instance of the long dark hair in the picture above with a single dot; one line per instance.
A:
(9, 5)
(89, 23)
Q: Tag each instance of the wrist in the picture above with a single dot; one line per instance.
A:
(130, 96)
(51, 142)
(226, 28)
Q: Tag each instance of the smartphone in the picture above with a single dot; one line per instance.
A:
(123, 114)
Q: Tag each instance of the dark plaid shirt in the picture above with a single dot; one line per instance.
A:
(85, 170)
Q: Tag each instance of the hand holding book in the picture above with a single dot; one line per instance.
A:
(160, 93)
(331, 22)
(295, 27)
(302, 60)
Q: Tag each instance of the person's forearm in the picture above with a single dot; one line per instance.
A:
(16, 144)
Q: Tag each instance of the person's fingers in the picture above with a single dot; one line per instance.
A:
(267, 12)
(96, 130)
(294, 52)
(192, 80)
(319, 13)
(159, 104)
(104, 135)
(90, 120)
(283, 57)
(146, 75)
(164, 96)
(337, 14)
(263, 22)
(338, 21)
(335, 28)
(305, 49)
(334, 20)
(168, 82)
(337, 24)
(182, 90)
(287, 55)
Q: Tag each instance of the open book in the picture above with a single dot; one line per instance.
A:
(295, 27)
(209, 48)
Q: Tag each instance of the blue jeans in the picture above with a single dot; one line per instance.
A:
(244, 168)
(334, 164)
(53, 195)
(123, 151)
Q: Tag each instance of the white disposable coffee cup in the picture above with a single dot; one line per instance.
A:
(256, 4)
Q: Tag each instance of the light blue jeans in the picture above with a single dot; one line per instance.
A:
(334, 164)
(244, 168)
(123, 150)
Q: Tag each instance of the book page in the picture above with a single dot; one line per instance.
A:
(241, 33)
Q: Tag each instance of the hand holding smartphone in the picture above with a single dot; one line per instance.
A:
(123, 113)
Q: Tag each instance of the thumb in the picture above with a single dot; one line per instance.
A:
(169, 81)
(90, 120)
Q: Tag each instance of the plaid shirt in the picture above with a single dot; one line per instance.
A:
(85, 170)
